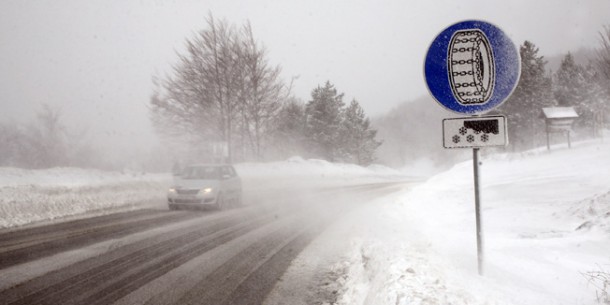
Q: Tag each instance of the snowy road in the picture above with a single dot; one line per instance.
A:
(163, 257)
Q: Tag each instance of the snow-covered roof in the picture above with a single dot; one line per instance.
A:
(559, 112)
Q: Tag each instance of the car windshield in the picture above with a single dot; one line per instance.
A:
(201, 172)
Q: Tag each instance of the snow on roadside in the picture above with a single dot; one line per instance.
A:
(261, 180)
(546, 222)
(297, 166)
(299, 172)
(68, 177)
(390, 263)
(31, 196)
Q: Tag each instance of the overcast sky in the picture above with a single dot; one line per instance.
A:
(95, 59)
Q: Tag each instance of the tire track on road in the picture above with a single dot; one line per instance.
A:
(246, 276)
(34, 243)
(99, 272)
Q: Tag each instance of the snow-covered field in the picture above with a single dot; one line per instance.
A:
(546, 221)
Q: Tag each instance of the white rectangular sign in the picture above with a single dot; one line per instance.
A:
(475, 132)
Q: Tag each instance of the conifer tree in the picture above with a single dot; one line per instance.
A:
(532, 93)
(323, 121)
(358, 138)
(290, 128)
(581, 87)
(569, 83)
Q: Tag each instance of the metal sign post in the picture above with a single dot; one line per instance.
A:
(477, 209)
(472, 67)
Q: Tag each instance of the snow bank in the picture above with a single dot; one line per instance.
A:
(68, 177)
(299, 168)
(297, 172)
(29, 196)
(546, 222)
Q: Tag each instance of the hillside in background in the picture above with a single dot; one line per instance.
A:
(582, 56)
(412, 132)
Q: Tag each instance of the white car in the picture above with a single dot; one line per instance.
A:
(201, 185)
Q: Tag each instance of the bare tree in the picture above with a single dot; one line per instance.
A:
(196, 102)
(12, 150)
(262, 92)
(221, 90)
(603, 66)
(47, 139)
(603, 53)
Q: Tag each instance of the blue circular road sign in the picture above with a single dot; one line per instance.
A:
(472, 67)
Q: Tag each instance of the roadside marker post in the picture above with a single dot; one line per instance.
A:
(471, 68)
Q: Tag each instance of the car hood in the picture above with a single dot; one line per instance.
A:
(196, 184)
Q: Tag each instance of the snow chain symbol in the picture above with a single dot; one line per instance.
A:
(471, 67)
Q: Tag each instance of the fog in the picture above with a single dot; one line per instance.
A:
(335, 194)
(94, 61)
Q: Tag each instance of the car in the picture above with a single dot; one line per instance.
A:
(205, 185)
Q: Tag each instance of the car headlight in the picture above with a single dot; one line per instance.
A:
(172, 190)
(206, 190)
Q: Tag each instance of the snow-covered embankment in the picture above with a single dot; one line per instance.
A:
(546, 222)
(30, 196)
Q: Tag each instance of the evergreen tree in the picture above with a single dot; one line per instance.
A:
(594, 100)
(290, 129)
(357, 137)
(569, 83)
(532, 93)
(323, 121)
(581, 87)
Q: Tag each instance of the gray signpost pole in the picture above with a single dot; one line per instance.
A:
(477, 207)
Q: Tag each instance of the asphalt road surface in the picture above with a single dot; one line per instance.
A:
(173, 257)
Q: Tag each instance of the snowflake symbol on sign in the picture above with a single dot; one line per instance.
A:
(456, 139)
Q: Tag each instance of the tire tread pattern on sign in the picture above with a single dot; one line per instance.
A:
(471, 67)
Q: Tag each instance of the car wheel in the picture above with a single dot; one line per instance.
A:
(239, 200)
(172, 207)
(220, 202)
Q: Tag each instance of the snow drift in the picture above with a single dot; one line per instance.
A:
(546, 223)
